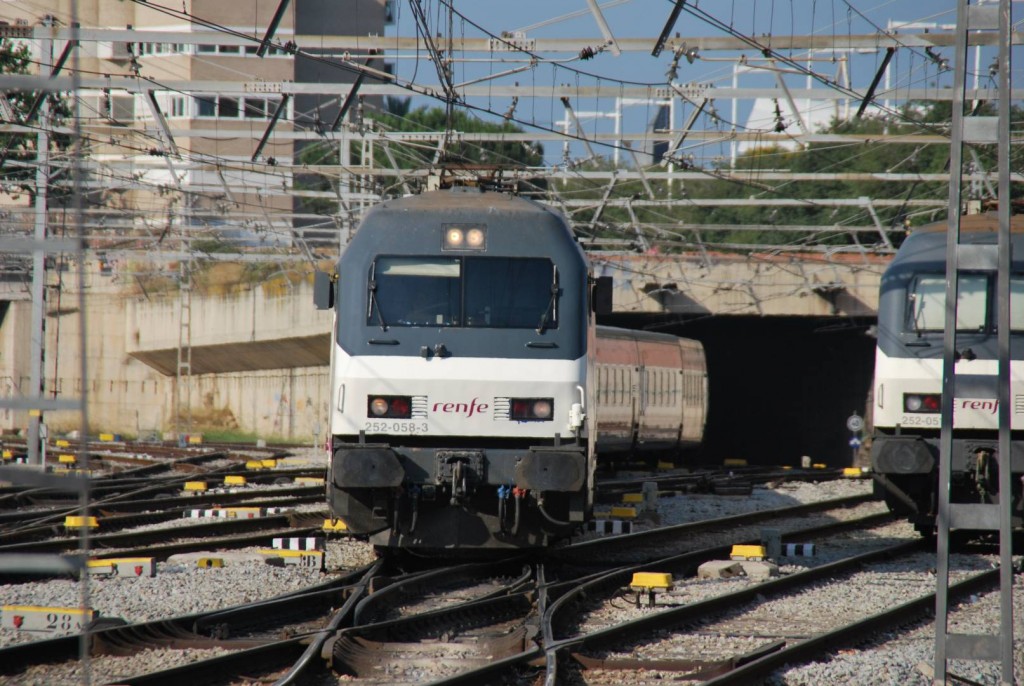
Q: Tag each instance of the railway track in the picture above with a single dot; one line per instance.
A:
(264, 636)
(656, 542)
(479, 622)
(117, 517)
(739, 637)
(719, 480)
(219, 534)
(489, 638)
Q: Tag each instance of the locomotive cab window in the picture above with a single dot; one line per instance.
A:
(481, 292)
(927, 297)
(1017, 303)
(414, 291)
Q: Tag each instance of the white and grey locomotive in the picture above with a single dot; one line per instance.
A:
(465, 407)
(908, 375)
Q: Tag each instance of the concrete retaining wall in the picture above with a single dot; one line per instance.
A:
(129, 397)
(276, 344)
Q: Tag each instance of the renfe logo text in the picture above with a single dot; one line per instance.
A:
(462, 408)
(990, 405)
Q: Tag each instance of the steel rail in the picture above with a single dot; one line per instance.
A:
(542, 654)
(645, 537)
(119, 639)
(696, 611)
(114, 522)
(869, 627)
(390, 593)
(266, 526)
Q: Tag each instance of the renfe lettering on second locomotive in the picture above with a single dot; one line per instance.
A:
(467, 409)
(990, 405)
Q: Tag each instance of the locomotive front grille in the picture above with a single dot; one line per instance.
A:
(502, 409)
(418, 407)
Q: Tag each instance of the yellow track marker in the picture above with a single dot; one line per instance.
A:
(73, 522)
(748, 552)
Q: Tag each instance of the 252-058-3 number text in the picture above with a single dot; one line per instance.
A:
(396, 427)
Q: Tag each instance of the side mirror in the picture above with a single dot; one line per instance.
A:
(601, 295)
(323, 291)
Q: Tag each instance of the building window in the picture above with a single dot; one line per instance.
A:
(206, 107)
(227, 108)
(178, 106)
(255, 108)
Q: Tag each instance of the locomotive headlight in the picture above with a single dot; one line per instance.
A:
(396, 406)
(532, 409)
(464, 237)
(453, 238)
(475, 238)
(542, 409)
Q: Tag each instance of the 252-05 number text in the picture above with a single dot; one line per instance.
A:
(929, 420)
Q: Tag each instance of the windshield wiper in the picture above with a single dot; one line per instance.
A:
(915, 316)
(374, 305)
(549, 309)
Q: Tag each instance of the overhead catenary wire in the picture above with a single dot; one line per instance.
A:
(482, 111)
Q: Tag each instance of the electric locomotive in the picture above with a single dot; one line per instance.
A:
(459, 374)
(463, 410)
(908, 375)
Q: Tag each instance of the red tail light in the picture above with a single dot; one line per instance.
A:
(922, 403)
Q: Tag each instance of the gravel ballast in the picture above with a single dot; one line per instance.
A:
(181, 588)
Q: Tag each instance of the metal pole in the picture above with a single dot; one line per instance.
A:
(949, 347)
(85, 643)
(1003, 345)
(38, 330)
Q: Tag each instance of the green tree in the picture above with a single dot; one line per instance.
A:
(911, 158)
(18, 150)
(398, 117)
